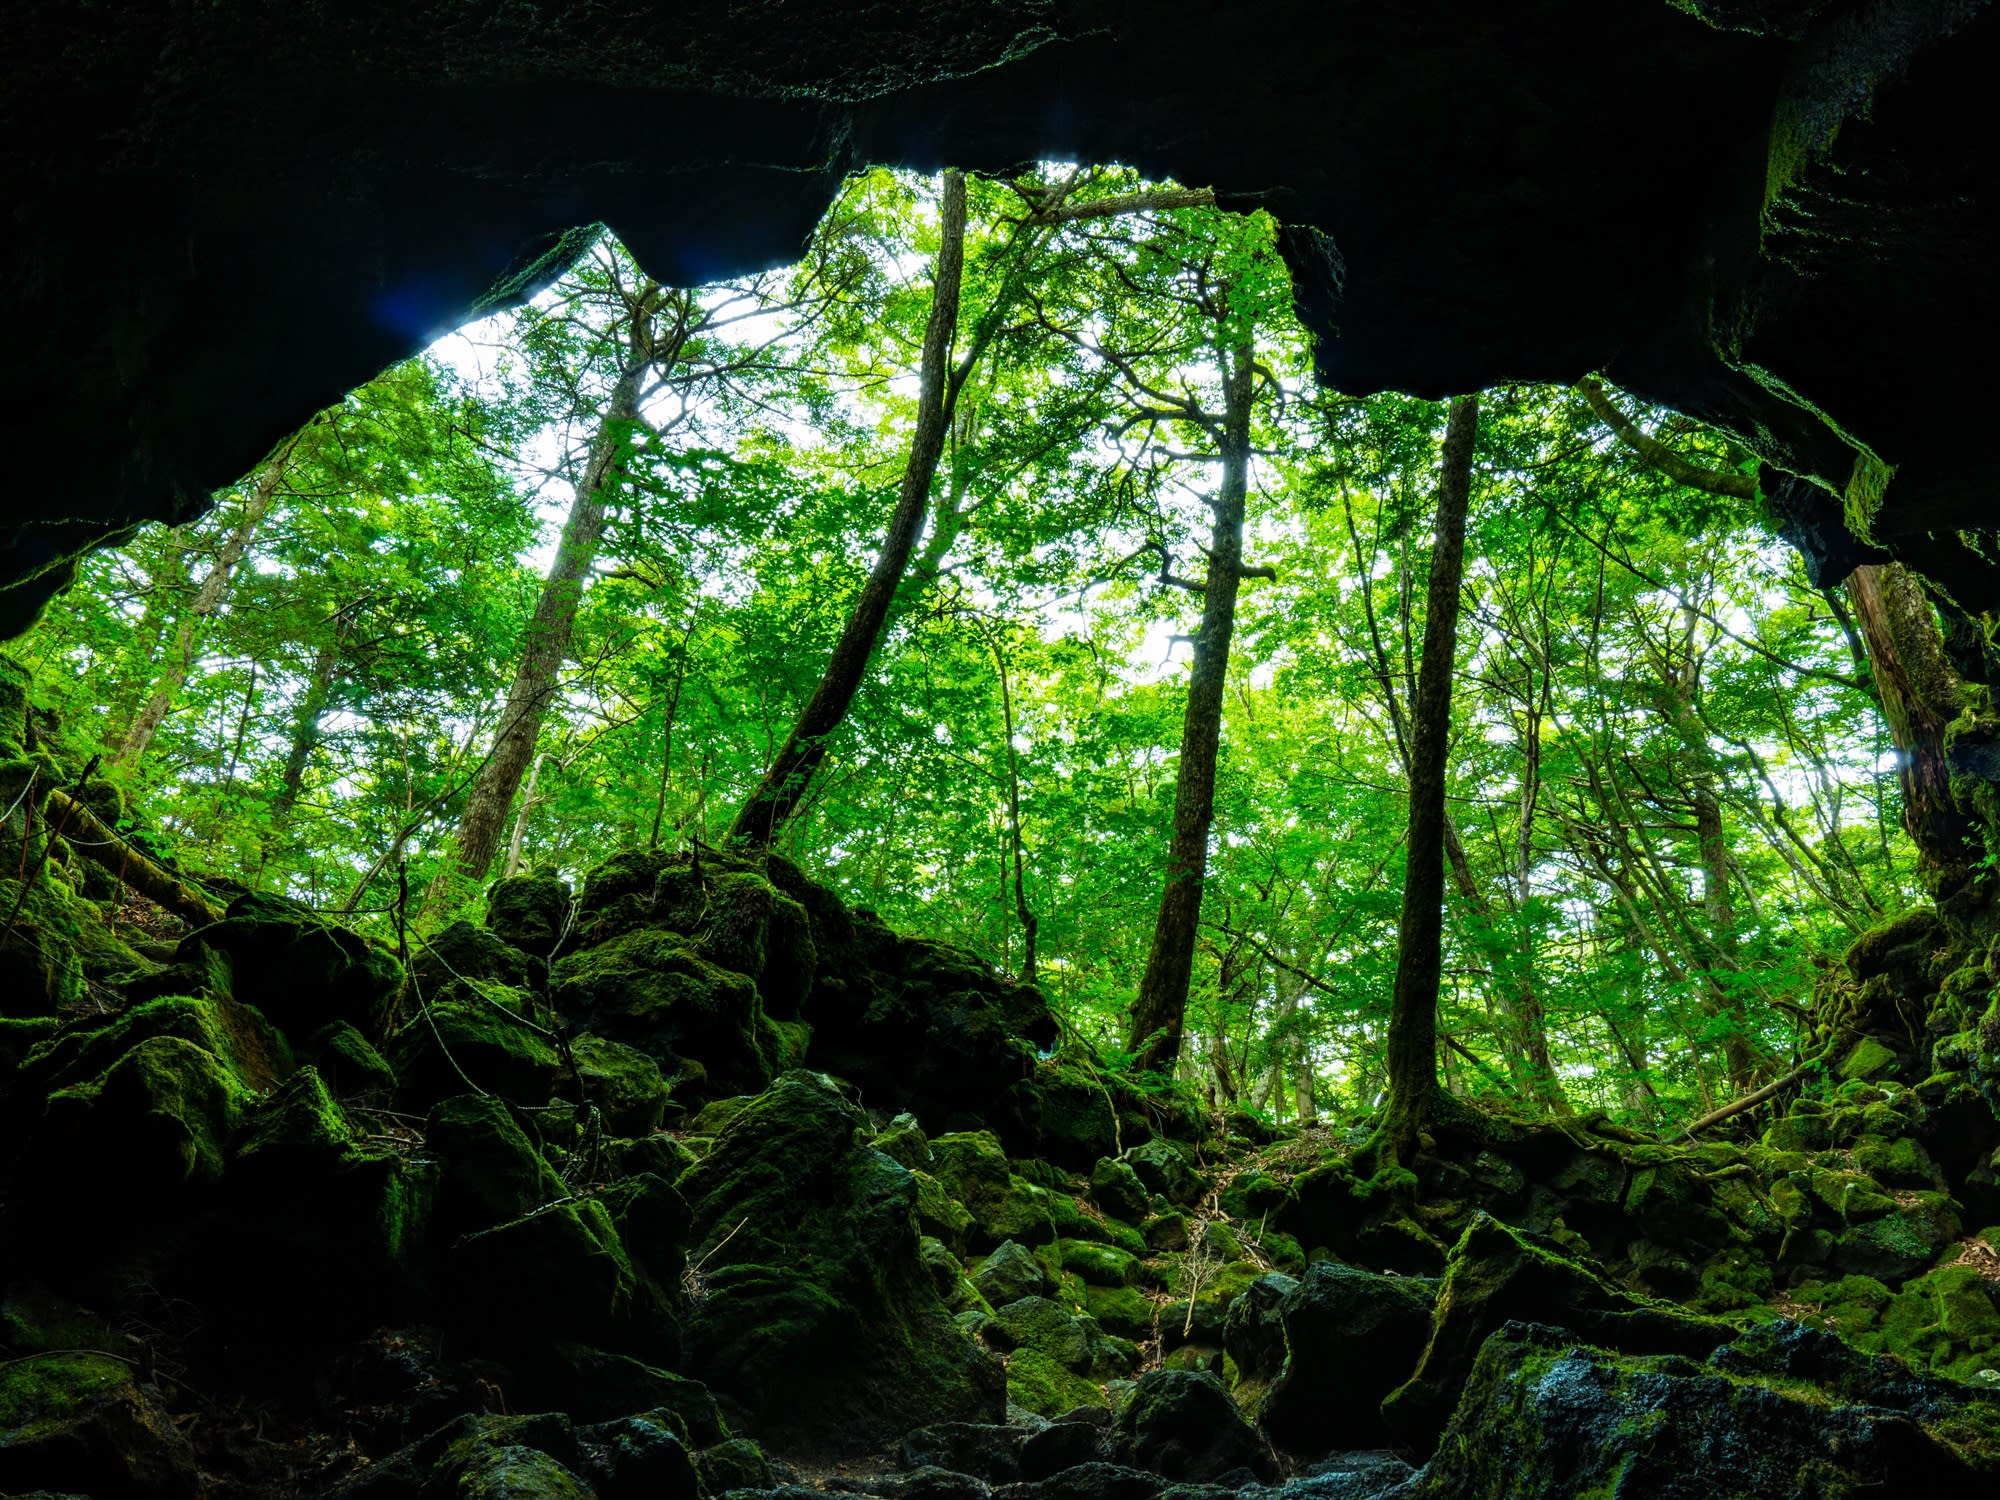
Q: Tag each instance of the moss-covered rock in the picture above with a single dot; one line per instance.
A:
(481, 1039)
(351, 1066)
(1785, 1411)
(1185, 1427)
(463, 952)
(529, 913)
(76, 1421)
(1901, 1243)
(302, 970)
(1118, 1190)
(1322, 1397)
(155, 1122)
(814, 1309)
(623, 1082)
(563, 1273)
(236, 1036)
(1164, 1168)
(649, 988)
(1063, 1111)
(483, 1457)
(1495, 1274)
(639, 1454)
(1042, 1384)
(1098, 1264)
(1123, 1310)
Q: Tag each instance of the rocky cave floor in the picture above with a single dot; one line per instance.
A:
(703, 1183)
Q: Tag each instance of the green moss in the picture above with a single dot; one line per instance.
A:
(1045, 1387)
(158, 1118)
(1123, 1310)
(302, 969)
(237, 1036)
(1867, 1059)
(939, 1214)
(623, 1082)
(1098, 1265)
(455, 1045)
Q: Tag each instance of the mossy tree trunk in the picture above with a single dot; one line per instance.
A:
(1158, 1013)
(1413, 1029)
(545, 644)
(1920, 694)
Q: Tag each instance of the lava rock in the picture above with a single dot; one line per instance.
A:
(1184, 1426)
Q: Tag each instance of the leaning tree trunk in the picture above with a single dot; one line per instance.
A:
(1155, 1038)
(207, 600)
(1413, 1032)
(784, 785)
(1919, 693)
(546, 643)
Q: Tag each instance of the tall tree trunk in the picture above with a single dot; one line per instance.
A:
(1155, 1035)
(545, 645)
(520, 834)
(778, 795)
(1030, 923)
(207, 600)
(1413, 1030)
(1920, 695)
(166, 581)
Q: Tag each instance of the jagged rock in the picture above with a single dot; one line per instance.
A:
(1040, 1383)
(650, 989)
(236, 1035)
(976, 1172)
(1164, 1169)
(903, 1140)
(1064, 1112)
(301, 969)
(561, 1272)
(1901, 1243)
(1184, 1426)
(72, 1418)
(1010, 1273)
(814, 1310)
(491, 1172)
(1496, 1274)
(1253, 1336)
(1546, 1414)
(1124, 1310)
(1321, 1396)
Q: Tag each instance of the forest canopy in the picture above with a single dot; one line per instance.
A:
(575, 580)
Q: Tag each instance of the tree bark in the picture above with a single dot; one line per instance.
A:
(1157, 1015)
(1413, 1029)
(1920, 695)
(778, 795)
(545, 646)
(207, 600)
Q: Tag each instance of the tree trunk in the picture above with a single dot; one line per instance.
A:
(207, 600)
(546, 643)
(1155, 1035)
(778, 795)
(306, 718)
(520, 834)
(1920, 696)
(1413, 1030)
(166, 580)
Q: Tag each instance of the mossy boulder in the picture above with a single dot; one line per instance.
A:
(486, 1457)
(481, 1039)
(639, 1454)
(1785, 1411)
(814, 1310)
(1062, 1111)
(77, 1421)
(41, 946)
(330, 1209)
(300, 969)
(1098, 1264)
(1040, 1383)
(1164, 1168)
(463, 951)
(490, 1172)
(1253, 1336)
(529, 913)
(236, 1036)
(1183, 1426)
(1496, 1273)
(623, 1083)
(1322, 1397)
(1122, 1310)
(1118, 1190)
(154, 1124)
(650, 989)
(562, 1273)
(976, 1172)
(1010, 1273)
(349, 1063)
(1901, 1243)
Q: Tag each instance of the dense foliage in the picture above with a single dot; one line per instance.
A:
(1671, 797)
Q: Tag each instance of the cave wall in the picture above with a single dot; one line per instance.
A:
(1774, 216)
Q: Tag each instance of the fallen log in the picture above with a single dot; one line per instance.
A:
(92, 838)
